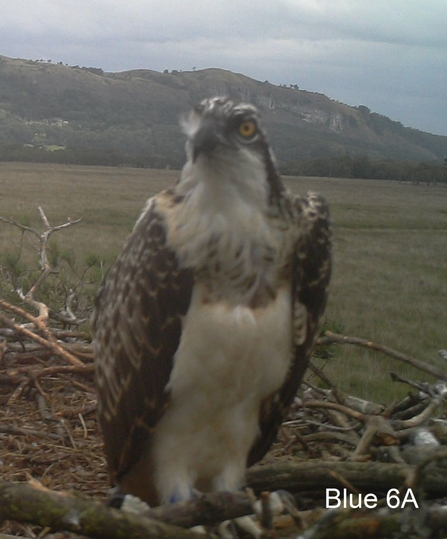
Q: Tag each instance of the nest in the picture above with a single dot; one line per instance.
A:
(49, 433)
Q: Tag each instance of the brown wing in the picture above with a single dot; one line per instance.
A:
(137, 325)
(312, 269)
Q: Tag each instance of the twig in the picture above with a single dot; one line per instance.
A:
(417, 385)
(45, 266)
(335, 406)
(9, 429)
(330, 436)
(18, 391)
(330, 337)
(375, 426)
(419, 419)
(49, 343)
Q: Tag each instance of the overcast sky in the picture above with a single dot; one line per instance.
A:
(390, 55)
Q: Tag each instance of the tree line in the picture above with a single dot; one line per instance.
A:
(79, 155)
(344, 166)
(363, 167)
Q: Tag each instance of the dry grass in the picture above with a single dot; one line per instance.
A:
(390, 255)
(107, 199)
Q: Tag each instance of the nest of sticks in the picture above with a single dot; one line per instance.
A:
(50, 441)
(53, 474)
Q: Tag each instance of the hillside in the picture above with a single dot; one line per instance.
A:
(136, 113)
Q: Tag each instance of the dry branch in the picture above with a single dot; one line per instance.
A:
(342, 525)
(317, 475)
(36, 505)
(335, 338)
(48, 342)
(420, 418)
(45, 267)
(208, 509)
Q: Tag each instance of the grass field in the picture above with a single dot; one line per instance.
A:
(390, 253)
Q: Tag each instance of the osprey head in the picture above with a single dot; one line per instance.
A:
(227, 152)
(218, 127)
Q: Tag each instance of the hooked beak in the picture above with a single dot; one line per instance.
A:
(205, 140)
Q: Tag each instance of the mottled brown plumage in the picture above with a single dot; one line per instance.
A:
(193, 372)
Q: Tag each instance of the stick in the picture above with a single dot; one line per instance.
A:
(43, 238)
(43, 507)
(330, 337)
(50, 344)
(316, 475)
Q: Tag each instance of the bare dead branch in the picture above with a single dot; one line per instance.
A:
(43, 237)
(340, 525)
(423, 416)
(37, 505)
(316, 475)
(335, 406)
(22, 227)
(336, 338)
(376, 426)
(49, 342)
(207, 509)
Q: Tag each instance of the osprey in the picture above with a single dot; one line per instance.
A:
(205, 324)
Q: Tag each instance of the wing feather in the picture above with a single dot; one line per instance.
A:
(137, 327)
(311, 274)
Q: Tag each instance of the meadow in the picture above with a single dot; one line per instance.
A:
(390, 253)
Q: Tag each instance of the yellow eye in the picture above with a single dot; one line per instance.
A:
(247, 129)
